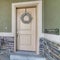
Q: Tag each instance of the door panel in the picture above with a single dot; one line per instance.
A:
(26, 39)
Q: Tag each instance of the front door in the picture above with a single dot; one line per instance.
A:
(26, 28)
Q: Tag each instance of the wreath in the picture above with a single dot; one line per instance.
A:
(24, 20)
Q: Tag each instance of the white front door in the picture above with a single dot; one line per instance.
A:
(26, 28)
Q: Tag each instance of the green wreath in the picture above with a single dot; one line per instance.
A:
(24, 20)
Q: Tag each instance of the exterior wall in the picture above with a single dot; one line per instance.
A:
(52, 14)
(9, 43)
(5, 15)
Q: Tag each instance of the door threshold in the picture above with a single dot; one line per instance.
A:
(25, 52)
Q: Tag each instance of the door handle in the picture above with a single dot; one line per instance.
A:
(17, 34)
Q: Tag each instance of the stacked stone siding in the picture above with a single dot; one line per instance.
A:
(9, 43)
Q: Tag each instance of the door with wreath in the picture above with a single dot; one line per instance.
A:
(26, 28)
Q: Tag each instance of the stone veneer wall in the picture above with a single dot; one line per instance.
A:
(50, 49)
(9, 43)
(41, 47)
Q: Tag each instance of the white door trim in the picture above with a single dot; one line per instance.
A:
(38, 4)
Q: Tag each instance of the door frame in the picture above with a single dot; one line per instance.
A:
(38, 4)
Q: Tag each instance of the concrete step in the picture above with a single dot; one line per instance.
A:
(21, 57)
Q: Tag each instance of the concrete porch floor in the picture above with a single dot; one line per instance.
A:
(4, 57)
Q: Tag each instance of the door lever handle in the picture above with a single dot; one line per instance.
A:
(17, 34)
